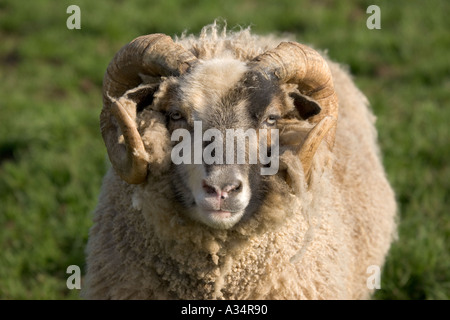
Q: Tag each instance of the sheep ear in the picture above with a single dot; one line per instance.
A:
(142, 95)
(306, 106)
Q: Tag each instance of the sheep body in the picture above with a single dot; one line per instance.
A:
(314, 244)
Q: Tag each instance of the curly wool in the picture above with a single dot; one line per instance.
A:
(161, 254)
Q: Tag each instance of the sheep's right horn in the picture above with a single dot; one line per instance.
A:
(154, 55)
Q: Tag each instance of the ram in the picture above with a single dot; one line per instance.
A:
(222, 229)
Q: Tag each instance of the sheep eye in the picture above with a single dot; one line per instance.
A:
(271, 120)
(175, 116)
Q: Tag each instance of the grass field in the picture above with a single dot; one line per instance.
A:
(52, 157)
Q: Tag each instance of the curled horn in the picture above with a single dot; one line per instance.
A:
(292, 62)
(154, 55)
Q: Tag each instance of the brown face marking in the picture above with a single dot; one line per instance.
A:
(261, 93)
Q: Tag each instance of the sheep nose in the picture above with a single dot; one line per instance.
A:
(229, 188)
(222, 192)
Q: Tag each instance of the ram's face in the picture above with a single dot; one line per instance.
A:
(223, 123)
(222, 115)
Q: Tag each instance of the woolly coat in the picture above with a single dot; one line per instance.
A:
(311, 241)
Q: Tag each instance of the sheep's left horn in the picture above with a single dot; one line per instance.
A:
(292, 62)
(312, 142)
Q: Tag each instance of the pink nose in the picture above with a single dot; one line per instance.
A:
(223, 193)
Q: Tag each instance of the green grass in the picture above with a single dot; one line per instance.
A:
(52, 158)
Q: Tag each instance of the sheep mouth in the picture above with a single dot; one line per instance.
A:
(217, 219)
(219, 214)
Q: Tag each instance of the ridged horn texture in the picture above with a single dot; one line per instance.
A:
(312, 142)
(155, 55)
(291, 62)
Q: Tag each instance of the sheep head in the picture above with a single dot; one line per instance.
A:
(273, 91)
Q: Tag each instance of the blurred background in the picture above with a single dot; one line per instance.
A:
(52, 157)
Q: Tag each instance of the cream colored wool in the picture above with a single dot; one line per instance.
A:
(313, 241)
